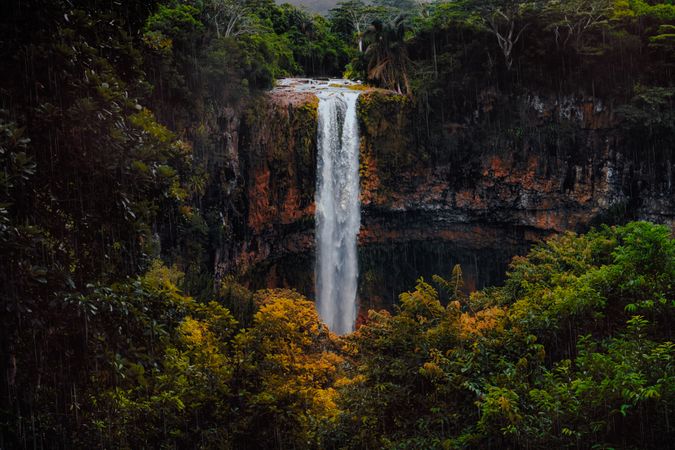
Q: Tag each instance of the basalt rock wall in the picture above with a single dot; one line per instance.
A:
(546, 163)
(277, 164)
(510, 172)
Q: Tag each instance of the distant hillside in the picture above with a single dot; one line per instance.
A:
(317, 6)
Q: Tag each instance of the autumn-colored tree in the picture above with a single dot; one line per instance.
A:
(287, 364)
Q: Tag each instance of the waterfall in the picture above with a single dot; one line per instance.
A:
(338, 212)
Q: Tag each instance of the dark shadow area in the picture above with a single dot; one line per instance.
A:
(389, 268)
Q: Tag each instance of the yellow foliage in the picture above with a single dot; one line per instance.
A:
(183, 148)
(205, 351)
(186, 211)
(432, 371)
(291, 357)
(192, 331)
(163, 279)
(157, 41)
(145, 120)
(490, 319)
(342, 382)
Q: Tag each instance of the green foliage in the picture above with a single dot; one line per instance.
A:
(454, 286)
(80, 199)
(168, 361)
(94, 186)
(19, 168)
(578, 24)
(177, 22)
(237, 299)
(351, 19)
(555, 358)
(658, 10)
(461, 50)
(173, 371)
(386, 55)
(650, 121)
(316, 48)
(394, 398)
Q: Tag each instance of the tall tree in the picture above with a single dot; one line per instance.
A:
(353, 17)
(387, 55)
(506, 20)
(229, 17)
(573, 20)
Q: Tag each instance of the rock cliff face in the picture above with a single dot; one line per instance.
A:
(435, 193)
(277, 163)
(559, 164)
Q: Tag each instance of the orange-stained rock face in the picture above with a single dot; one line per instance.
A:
(260, 212)
(267, 209)
(497, 168)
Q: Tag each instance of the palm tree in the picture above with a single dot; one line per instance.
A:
(387, 55)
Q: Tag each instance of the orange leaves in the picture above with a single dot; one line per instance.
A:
(289, 358)
(489, 319)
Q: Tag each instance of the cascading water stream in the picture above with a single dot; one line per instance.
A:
(338, 211)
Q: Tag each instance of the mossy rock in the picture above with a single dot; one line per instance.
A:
(387, 131)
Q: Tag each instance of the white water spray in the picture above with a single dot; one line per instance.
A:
(338, 212)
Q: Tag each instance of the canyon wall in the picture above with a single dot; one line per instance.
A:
(436, 192)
